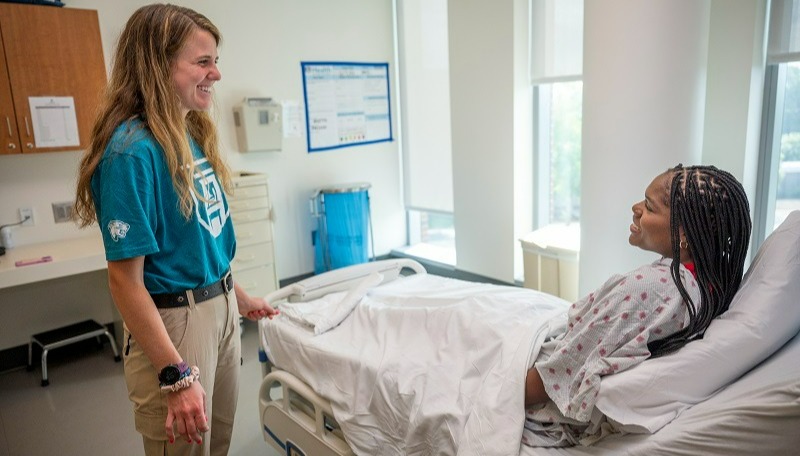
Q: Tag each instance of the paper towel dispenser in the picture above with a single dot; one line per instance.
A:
(259, 125)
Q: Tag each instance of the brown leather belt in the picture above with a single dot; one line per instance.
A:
(171, 300)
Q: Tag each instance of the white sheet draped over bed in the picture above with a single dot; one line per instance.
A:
(441, 375)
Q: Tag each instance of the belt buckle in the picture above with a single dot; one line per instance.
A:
(225, 282)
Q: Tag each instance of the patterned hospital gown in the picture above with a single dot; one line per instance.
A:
(607, 333)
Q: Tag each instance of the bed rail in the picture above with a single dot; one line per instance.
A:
(297, 420)
(342, 279)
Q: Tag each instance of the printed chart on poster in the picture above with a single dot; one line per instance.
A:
(347, 104)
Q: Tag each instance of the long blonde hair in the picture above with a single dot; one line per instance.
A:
(141, 87)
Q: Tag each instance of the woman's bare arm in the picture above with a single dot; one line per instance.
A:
(534, 388)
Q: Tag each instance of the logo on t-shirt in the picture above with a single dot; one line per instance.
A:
(211, 211)
(118, 229)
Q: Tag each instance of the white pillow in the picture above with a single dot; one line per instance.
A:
(763, 316)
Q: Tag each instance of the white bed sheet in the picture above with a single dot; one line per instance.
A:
(443, 374)
(757, 414)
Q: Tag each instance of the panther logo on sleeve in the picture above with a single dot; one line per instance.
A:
(118, 229)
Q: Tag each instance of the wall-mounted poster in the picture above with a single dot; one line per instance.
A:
(347, 104)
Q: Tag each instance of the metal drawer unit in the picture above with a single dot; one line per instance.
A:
(254, 264)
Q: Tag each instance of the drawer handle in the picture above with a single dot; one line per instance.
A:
(245, 235)
(250, 257)
(249, 285)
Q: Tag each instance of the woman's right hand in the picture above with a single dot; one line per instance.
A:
(187, 409)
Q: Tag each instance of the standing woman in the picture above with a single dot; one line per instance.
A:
(153, 178)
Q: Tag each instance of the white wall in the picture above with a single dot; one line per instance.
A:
(264, 42)
(644, 76)
(488, 129)
(734, 92)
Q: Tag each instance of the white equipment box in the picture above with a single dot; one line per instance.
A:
(258, 124)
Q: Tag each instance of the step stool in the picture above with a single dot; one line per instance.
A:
(66, 335)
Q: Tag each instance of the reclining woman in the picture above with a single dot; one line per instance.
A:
(698, 219)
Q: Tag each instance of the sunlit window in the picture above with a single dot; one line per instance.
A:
(556, 73)
(779, 162)
(432, 236)
(424, 94)
(559, 147)
(787, 197)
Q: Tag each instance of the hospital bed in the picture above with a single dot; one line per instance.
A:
(396, 363)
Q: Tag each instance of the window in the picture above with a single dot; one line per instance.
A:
(781, 152)
(558, 146)
(556, 65)
(787, 196)
(424, 81)
(779, 173)
(432, 236)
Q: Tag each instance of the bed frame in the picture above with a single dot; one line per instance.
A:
(295, 419)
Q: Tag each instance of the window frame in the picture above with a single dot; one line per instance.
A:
(769, 153)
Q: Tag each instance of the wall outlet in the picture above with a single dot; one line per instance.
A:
(26, 212)
(62, 212)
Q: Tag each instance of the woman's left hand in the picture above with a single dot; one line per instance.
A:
(253, 308)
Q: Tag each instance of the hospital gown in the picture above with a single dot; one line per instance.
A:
(607, 333)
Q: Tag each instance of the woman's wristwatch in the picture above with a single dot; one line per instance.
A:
(171, 373)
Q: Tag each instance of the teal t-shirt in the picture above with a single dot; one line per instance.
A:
(139, 214)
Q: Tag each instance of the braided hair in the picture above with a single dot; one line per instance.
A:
(711, 207)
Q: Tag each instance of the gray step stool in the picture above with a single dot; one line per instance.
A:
(66, 335)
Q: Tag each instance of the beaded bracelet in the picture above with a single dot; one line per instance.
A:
(184, 382)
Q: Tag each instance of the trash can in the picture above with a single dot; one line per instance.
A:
(343, 224)
(550, 259)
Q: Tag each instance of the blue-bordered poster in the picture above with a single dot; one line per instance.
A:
(347, 104)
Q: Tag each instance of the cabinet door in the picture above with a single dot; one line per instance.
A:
(9, 141)
(53, 52)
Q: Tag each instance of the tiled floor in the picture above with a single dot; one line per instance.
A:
(85, 410)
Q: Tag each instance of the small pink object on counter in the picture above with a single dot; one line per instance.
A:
(30, 261)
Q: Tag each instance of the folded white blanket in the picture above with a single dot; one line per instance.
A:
(327, 312)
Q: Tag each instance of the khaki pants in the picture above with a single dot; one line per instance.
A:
(207, 336)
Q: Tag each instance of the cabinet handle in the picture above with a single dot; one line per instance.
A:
(11, 145)
(28, 131)
(245, 259)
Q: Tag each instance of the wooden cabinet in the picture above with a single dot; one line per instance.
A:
(47, 52)
(8, 122)
(251, 211)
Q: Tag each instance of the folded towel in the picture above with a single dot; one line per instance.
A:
(327, 312)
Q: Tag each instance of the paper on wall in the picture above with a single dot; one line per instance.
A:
(54, 121)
